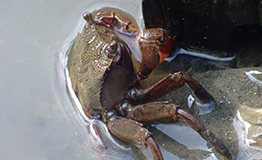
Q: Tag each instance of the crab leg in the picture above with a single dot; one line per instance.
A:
(168, 84)
(133, 133)
(164, 112)
(204, 133)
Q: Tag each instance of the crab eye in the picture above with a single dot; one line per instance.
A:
(113, 51)
(87, 16)
(112, 47)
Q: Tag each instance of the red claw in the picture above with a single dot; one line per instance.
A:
(165, 48)
(159, 39)
(155, 44)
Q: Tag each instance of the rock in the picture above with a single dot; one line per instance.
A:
(202, 24)
(251, 115)
(232, 89)
(260, 11)
(247, 123)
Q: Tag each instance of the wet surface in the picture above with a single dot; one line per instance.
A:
(38, 119)
(235, 93)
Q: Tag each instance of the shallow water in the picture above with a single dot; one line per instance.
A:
(37, 122)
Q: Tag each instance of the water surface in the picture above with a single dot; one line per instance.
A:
(38, 119)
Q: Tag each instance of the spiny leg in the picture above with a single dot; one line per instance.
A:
(168, 84)
(164, 112)
(204, 133)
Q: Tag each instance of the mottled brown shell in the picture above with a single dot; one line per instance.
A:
(99, 80)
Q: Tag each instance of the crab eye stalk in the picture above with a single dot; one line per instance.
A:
(112, 47)
(87, 16)
(113, 50)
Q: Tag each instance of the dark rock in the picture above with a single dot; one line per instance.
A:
(164, 14)
(202, 24)
(260, 12)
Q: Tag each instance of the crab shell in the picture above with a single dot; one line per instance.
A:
(100, 67)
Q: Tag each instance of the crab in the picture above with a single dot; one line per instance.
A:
(105, 83)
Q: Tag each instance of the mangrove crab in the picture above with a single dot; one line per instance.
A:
(103, 79)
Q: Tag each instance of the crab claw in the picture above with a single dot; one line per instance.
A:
(165, 48)
(155, 45)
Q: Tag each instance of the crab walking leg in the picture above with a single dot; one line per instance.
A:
(204, 133)
(164, 112)
(168, 84)
(133, 133)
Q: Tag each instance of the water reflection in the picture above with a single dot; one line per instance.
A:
(249, 134)
(255, 76)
